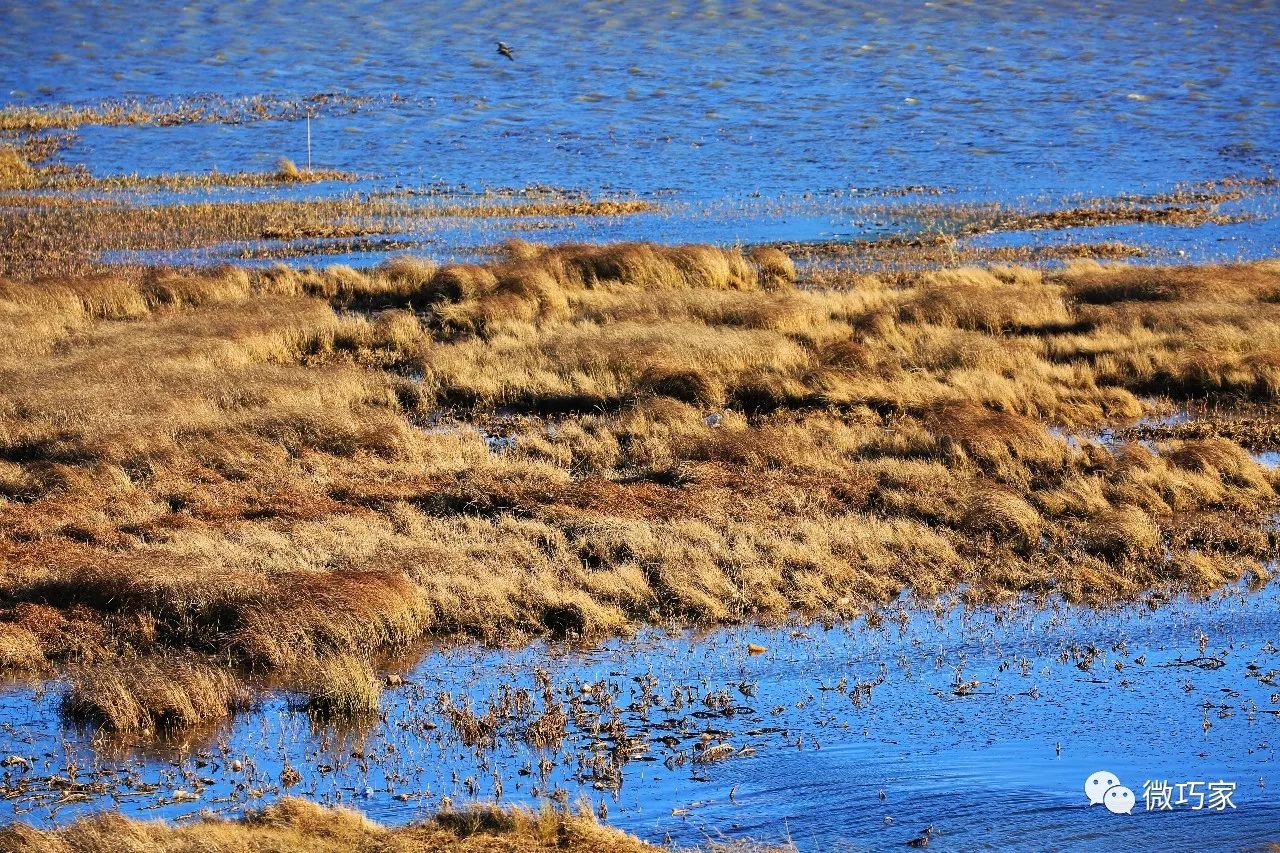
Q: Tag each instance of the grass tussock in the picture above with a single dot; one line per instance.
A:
(288, 171)
(343, 686)
(270, 468)
(15, 172)
(297, 826)
(151, 694)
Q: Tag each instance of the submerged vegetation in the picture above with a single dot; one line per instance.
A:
(43, 235)
(210, 474)
(952, 234)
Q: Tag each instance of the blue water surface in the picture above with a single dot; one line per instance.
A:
(724, 107)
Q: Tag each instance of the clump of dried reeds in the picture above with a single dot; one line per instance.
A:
(343, 686)
(151, 694)
(288, 171)
(15, 172)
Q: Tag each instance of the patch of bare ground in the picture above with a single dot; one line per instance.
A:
(210, 474)
(297, 826)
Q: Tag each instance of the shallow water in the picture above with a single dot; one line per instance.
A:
(981, 763)
(745, 117)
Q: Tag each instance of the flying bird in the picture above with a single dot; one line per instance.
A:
(506, 51)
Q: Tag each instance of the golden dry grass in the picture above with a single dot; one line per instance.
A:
(176, 111)
(297, 826)
(239, 471)
(152, 694)
(17, 174)
(344, 685)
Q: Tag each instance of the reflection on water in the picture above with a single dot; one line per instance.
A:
(984, 724)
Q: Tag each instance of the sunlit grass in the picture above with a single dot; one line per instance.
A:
(234, 471)
(297, 826)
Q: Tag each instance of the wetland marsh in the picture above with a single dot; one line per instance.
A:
(822, 427)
